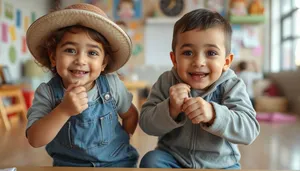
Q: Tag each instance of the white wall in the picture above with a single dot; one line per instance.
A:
(39, 7)
(158, 41)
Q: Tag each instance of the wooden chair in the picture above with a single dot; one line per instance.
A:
(18, 106)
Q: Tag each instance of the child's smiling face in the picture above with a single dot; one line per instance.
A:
(79, 58)
(200, 57)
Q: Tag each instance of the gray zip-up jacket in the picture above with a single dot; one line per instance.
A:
(202, 145)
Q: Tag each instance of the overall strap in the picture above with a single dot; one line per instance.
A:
(56, 87)
(104, 88)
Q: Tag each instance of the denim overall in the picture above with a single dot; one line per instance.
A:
(93, 138)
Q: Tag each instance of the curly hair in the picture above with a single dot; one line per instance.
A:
(54, 39)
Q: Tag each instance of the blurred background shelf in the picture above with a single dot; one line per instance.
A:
(249, 19)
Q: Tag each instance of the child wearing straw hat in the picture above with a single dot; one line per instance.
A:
(76, 113)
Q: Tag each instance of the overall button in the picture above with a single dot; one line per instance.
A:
(107, 96)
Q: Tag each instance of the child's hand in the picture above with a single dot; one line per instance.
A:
(198, 110)
(75, 99)
(178, 93)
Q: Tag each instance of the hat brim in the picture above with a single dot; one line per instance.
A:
(42, 28)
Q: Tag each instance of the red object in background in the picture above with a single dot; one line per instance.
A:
(272, 90)
(28, 97)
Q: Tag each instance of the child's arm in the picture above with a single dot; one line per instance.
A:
(45, 129)
(156, 118)
(130, 119)
(235, 119)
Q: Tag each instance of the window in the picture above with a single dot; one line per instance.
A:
(289, 34)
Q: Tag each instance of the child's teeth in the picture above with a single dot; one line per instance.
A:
(79, 72)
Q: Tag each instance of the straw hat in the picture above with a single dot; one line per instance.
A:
(86, 15)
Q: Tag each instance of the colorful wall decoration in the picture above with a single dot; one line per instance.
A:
(129, 15)
(9, 9)
(127, 9)
(15, 18)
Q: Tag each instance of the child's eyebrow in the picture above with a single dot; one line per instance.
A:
(74, 43)
(191, 45)
(186, 45)
(212, 45)
(94, 46)
(68, 43)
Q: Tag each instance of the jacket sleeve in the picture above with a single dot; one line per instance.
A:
(155, 117)
(235, 117)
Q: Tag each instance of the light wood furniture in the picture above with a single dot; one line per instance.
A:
(18, 106)
(5, 76)
(134, 87)
(271, 104)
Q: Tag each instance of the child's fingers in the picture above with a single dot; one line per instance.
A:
(73, 85)
(183, 86)
(83, 101)
(82, 95)
(198, 119)
(181, 95)
(78, 90)
(70, 87)
(180, 87)
(191, 109)
(85, 106)
(188, 102)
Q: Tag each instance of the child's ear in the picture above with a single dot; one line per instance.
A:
(173, 58)
(228, 61)
(105, 62)
(52, 58)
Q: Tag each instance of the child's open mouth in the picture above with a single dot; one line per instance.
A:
(198, 75)
(79, 73)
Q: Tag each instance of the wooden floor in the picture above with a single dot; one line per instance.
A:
(276, 148)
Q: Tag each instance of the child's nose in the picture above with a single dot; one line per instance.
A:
(199, 61)
(81, 59)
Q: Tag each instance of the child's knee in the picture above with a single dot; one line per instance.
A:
(150, 159)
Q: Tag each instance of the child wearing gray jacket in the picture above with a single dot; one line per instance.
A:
(200, 109)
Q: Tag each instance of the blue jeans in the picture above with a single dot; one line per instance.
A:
(159, 159)
(123, 164)
(163, 159)
(234, 167)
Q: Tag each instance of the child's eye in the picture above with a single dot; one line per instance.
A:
(187, 53)
(70, 51)
(212, 53)
(93, 53)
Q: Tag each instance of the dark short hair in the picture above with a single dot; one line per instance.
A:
(242, 66)
(55, 38)
(202, 19)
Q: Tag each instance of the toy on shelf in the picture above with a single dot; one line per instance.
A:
(256, 8)
(238, 7)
